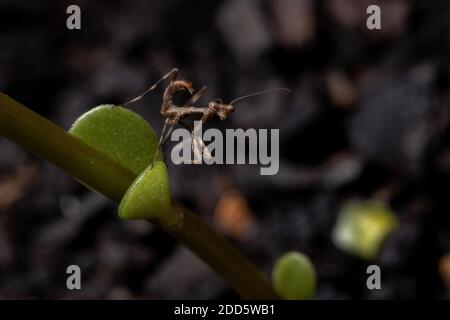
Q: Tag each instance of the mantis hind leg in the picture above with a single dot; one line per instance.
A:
(173, 74)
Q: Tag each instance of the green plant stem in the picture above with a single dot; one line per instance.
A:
(227, 261)
(103, 174)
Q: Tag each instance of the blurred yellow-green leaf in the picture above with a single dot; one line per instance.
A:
(362, 226)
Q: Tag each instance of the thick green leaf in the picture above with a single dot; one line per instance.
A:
(294, 277)
(149, 197)
(119, 133)
(127, 138)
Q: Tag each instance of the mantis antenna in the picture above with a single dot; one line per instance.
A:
(259, 93)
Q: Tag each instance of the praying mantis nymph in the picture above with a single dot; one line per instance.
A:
(176, 114)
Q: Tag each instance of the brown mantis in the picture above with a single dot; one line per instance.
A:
(175, 114)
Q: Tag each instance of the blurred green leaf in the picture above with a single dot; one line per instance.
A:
(294, 276)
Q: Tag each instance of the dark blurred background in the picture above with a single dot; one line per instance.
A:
(367, 118)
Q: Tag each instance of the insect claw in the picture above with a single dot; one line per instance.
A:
(189, 88)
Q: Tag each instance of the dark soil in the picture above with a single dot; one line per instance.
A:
(373, 102)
